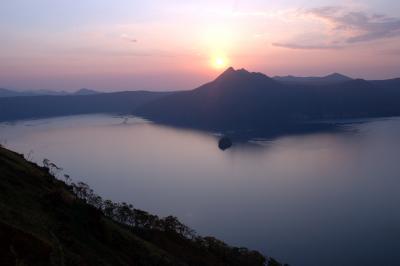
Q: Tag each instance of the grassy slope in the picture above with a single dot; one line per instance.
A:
(42, 223)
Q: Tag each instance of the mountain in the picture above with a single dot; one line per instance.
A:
(388, 83)
(239, 100)
(334, 78)
(49, 92)
(46, 222)
(7, 93)
(235, 99)
(13, 93)
(85, 92)
(28, 107)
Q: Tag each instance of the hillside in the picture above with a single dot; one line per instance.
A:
(239, 100)
(85, 91)
(334, 78)
(15, 108)
(44, 221)
(235, 100)
(27, 93)
(13, 93)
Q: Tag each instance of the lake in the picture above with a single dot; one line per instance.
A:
(317, 199)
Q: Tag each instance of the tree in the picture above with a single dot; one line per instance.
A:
(52, 167)
(123, 211)
(95, 200)
(109, 208)
(82, 190)
(46, 162)
(143, 219)
(67, 179)
(29, 155)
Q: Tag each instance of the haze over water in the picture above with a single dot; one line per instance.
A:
(320, 199)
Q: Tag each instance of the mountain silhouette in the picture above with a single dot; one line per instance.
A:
(236, 101)
(7, 93)
(387, 84)
(13, 93)
(85, 91)
(42, 92)
(239, 100)
(15, 108)
(327, 80)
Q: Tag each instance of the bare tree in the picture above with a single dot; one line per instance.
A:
(67, 179)
(3, 142)
(54, 170)
(29, 155)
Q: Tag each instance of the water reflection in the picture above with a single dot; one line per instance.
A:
(311, 199)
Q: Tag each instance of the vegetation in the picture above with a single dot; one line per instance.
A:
(46, 221)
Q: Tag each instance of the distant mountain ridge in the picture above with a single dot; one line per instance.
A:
(14, 93)
(85, 91)
(41, 106)
(249, 101)
(7, 93)
(326, 80)
(236, 101)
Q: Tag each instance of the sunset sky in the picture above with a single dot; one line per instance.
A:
(169, 45)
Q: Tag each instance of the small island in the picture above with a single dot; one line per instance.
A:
(224, 143)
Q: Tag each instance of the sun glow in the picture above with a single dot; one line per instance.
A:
(219, 62)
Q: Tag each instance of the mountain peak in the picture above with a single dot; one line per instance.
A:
(242, 72)
(241, 78)
(337, 76)
(232, 70)
(228, 71)
(85, 91)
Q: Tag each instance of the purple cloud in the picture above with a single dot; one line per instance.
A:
(365, 27)
(307, 47)
(348, 27)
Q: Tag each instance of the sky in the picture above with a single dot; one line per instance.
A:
(174, 45)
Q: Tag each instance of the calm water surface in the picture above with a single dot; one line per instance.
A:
(320, 199)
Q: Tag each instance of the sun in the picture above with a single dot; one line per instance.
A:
(220, 62)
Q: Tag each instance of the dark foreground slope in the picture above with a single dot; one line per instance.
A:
(241, 100)
(14, 108)
(42, 222)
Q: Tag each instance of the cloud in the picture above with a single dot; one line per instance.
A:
(307, 47)
(343, 28)
(361, 27)
(128, 38)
